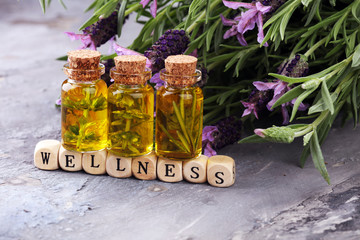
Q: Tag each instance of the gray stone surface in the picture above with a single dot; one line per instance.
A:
(272, 198)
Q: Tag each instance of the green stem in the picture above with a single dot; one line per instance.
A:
(181, 122)
(316, 46)
(128, 125)
(132, 9)
(313, 125)
(171, 138)
(183, 140)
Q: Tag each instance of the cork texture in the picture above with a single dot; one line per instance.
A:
(84, 59)
(182, 67)
(130, 70)
(83, 65)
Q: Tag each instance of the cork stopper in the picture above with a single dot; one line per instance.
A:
(180, 70)
(130, 70)
(84, 65)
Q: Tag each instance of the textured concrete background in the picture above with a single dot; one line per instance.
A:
(272, 198)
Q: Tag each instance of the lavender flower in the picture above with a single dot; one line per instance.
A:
(257, 102)
(173, 42)
(225, 132)
(98, 33)
(208, 136)
(153, 6)
(246, 21)
(157, 80)
(229, 132)
(294, 67)
(274, 4)
(58, 102)
(204, 77)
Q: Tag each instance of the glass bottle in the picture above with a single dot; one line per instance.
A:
(179, 110)
(84, 103)
(131, 108)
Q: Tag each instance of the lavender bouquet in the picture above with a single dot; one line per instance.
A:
(294, 63)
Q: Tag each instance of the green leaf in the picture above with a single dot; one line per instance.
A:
(105, 10)
(338, 24)
(195, 4)
(326, 97)
(306, 2)
(253, 139)
(320, 105)
(355, 10)
(307, 137)
(284, 21)
(354, 103)
(91, 6)
(43, 5)
(62, 58)
(332, 2)
(210, 33)
(356, 57)
(291, 79)
(287, 97)
(298, 101)
(62, 4)
(317, 157)
(313, 10)
(121, 16)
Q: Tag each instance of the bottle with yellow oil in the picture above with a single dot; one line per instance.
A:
(179, 110)
(131, 107)
(84, 103)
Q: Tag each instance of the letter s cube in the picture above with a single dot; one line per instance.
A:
(221, 171)
(195, 169)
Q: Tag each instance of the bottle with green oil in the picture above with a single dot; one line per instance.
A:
(84, 103)
(131, 108)
(179, 110)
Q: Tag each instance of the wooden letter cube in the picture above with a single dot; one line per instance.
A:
(169, 170)
(94, 162)
(144, 167)
(194, 170)
(70, 160)
(221, 171)
(119, 167)
(46, 154)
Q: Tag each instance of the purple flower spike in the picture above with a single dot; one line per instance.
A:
(153, 6)
(296, 66)
(246, 21)
(208, 137)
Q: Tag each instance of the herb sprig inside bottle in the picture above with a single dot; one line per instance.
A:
(84, 103)
(131, 107)
(179, 110)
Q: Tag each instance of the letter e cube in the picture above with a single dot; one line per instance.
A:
(169, 170)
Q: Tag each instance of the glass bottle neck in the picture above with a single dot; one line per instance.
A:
(83, 82)
(130, 86)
